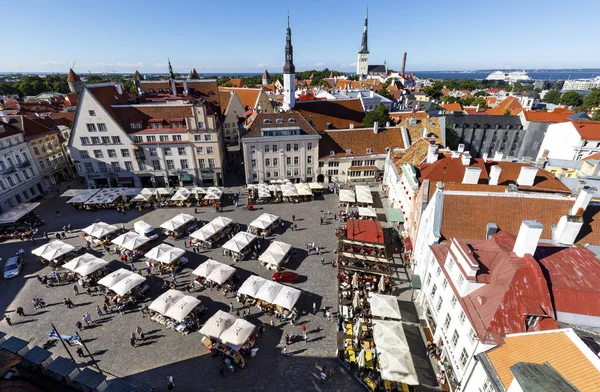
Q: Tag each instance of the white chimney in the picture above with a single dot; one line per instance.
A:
(527, 176)
(528, 237)
(405, 136)
(387, 124)
(498, 156)
(185, 87)
(461, 148)
(173, 87)
(455, 154)
(119, 88)
(582, 201)
(472, 175)
(412, 121)
(375, 127)
(485, 157)
(432, 155)
(351, 125)
(568, 229)
(424, 133)
(494, 175)
(466, 158)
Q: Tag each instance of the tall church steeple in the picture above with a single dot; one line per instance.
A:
(289, 71)
(362, 65)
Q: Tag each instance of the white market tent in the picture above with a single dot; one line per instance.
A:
(221, 222)
(148, 192)
(368, 212)
(303, 189)
(71, 192)
(275, 253)
(205, 232)
(251, 285)
(264, 221)
(289, 190)
(130, 191)
(177, 221)
(316, 186)
(180, 309)
(125, 285)
(165, 253)
(106, 195)
(206, 268)
(83, 196)
(17, 212)
(114, 277)
(85, 264)
(241, 240)
(287, 297)
(100, 229)
(198, 190)
(130, 240)
(164, 191)
(221, 274)
(141, 197)
(396, 365)
(384, 306)
(53, 250)
(165, 301)
(347, 196)
(218, 323)
(237, 334)
(363, 194)
(268, 291)
(212, 196)
(181, 194)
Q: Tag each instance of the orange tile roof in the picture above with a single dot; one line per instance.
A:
(589, 130)
(510, 103)
(346, 84)
(236, 83)
(339, 113)
(224, 98)
(452, 107)
(72, 76)
(558, 348)
(552, 117)
(401, 116)
(357, 141)
(248, 96)
(415, 154)
(489, 101)
(592, 157)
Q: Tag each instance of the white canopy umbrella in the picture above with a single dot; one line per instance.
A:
(212, 196)
(100, 229)
(111, 279)
(357, 327)
(303, 189)
(396, 365)
(287, 297)
(165, 253)
(17, 212)
(347, 196)
(204, 233)
(363, 194)
(361, 359)
(384, 306)
(264, 221)
(206, 268)
(368, 212)
(177, 221)
(141, 197)
(236, 335)
(355, 300)
(106, 195)
(130, 240)
(268, 291)
(218, 323)
(355, 280)
(220, 274)
(85, 264)
(165, 301)
(83, 196)
(148, 191)
(387, 333)
(251, 285)
(221, 222)
(241, 240)
(289, 190)
(198, 190)
(53, 250)
(179, 310)
(275, 253)
(164, 191)
(125, 285)
(71, 192)
(181, 194)
(316, 186)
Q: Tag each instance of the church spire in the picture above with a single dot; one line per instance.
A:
(289, 67)
(364, 47)
(171, 74)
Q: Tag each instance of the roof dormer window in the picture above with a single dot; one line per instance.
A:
(292, 120)
(267, 121)
(348, 151)
(279, 121)
(331, 153)
(369, 151)
(160, 90)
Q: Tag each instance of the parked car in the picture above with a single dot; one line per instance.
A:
(285, 276)
(13, 267)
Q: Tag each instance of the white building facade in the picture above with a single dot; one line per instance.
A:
(571, 140)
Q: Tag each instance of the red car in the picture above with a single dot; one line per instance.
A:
(285, 276)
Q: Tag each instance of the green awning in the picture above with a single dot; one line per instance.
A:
(185, 177)
(395, 215)
(415, 282)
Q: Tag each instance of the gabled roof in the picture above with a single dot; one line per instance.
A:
(588, 130)
(248, 96)
(259, 123)
(237, 83)
(107, 95)
(193, 75)
(551, 117)
(510, 103)
(345, 84)
(266, 75)
(146, 114)
(339, 113)
(357, 141)
(415, 154)
(452, 107)
(10, 129)
(36, 128)
(137, 75)
(401, 116)
(224, 98)
(72, 76)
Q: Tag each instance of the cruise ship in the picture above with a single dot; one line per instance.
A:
(513, 76)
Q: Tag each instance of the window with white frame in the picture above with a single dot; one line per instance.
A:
(170, 164)
(275, 173)
(199, 150)
(197, 138)
(183, 163)
(98, 154)
(267, 162)
(274, 147)
(267, 148)
(288, 147)
(181, 151)
(288, 160)
(211, 162)
(438, 307)
(95, 140)
(176, 138)
(309, 171)
(296, 172)
(453, 300)
(89, 167)
(128, 165)
(209, 150)
(116, 167)
(116, 140)
(309, 146)
(156, 165)
(253, 163)
(137, 139)
(461, 280)
(91, 113)
(487, 386)
(450, 264)
(125, 152)
(445, 283)
(152, 151)
(275, 162)
(447, 321)
(163, 138)
(151, 138)
(309, 159)
(463, 357)
(268, 174)
(101, 127)
(112, 153)
(105, 140)
(428, 280)
(167, 151)
(201, 163)
(438, 271)
(296, 160)
(91, 127)
(207, 137)
(433, 290)
(462, 317)
(472, 336)
(455, 338)
(295, 146)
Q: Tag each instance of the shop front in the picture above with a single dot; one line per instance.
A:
(186, 179)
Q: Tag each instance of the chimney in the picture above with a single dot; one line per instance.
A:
(528, 237)
(471, 175)
(461, 147)
(490, 229)
(375, 127)
(119, 87)
(466, 158)
(432, 153)
(455, 154)
(582, 201)
(387, 124)
(485, 157)
(405, 137)
(527, 176)
(498, 156)
(404, 63)
(494, 175)
(568, 229)
(173, 87)
(185, 87)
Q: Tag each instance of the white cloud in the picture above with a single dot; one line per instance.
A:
(353, 64)
(51, 62)
(262, 65)
(160, 65)
(319, 64)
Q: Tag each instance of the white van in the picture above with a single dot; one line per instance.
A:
(142, 228)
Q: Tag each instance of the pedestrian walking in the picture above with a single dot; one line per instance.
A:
(20, 311)
(314, 308)
(89, 291)
(187, 287)
(105, 308)
(272, 322)
(64, 236)
(122, 309)
(8, 321)
(69, 227)
(79, 325)
(322, 261)
(305, 338)
(285, 350)
(75, 289)
(98, 310)
(80, 353)
(231, 306)
(293, 218)
(171, 382)
(132, 342)
(185, 244)
(304, 328)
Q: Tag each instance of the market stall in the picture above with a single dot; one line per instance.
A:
(176, 311)
(251, 286)
(221, 274)
(107, 197)
(71, 192)
(182, 194)
(240, 245)
(18, 212)
(212, 273)
(130, 240)
(347, 197)
(304, 191)
(289, 192)
(367, 213)
(85, 265)
(20, 222)
(204, 269)
(54, 251)
(276, 254)
(264, 224)
(317, 187)
(176, 226)
(168, 256)
(287, 297)
(384, 306)
(81, 197)
(363, 195)
(217, 324)
(213, 231)
(122, 281)
(268, 291)
(100, 232)
(237, 334)
(163, 193)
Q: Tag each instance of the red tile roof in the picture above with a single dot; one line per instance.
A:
(248, 96)
(551, 117)
(254, 130)
(147, 114)
(339, 113)
(452, 107)
(594, 156)
(357, 141)
(510, 103)
(401, 116)
(588, 130)
(364, 230)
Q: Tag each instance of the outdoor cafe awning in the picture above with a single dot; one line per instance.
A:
(395, 215)
(17, 212)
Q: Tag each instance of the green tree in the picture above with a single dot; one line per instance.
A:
(571, 98)
(466, 101)
(592, 100)
(380, 114)
(130, 87)
(552, 96)
(449, 99)
(480, 94)
(435, 90)
(507, 112)
(596, 116)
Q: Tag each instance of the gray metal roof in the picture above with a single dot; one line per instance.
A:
(37, 355)
(13, 344)
(89, 378)
(61, 366)
(533, 377)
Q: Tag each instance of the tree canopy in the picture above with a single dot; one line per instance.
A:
(380, 114)
(34, 85)
(571, 98)
(552, 96)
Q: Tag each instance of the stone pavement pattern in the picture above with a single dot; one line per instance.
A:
(167, 352)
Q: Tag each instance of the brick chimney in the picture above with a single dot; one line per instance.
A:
(528, 237)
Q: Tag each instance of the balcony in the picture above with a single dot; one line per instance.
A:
(9, 170)
(24, 164)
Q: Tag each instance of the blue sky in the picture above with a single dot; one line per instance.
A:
(249, 36)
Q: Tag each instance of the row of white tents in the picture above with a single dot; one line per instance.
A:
(85, 264)
(287, 189)
(53, 250)
(109, 195)
(212, 228)
(264, 221)
(275, 255)
(229, 330)
(174, 304)
(214, 271)
(239, 242)
(177, 222)
(270, 292)
(361, 194)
